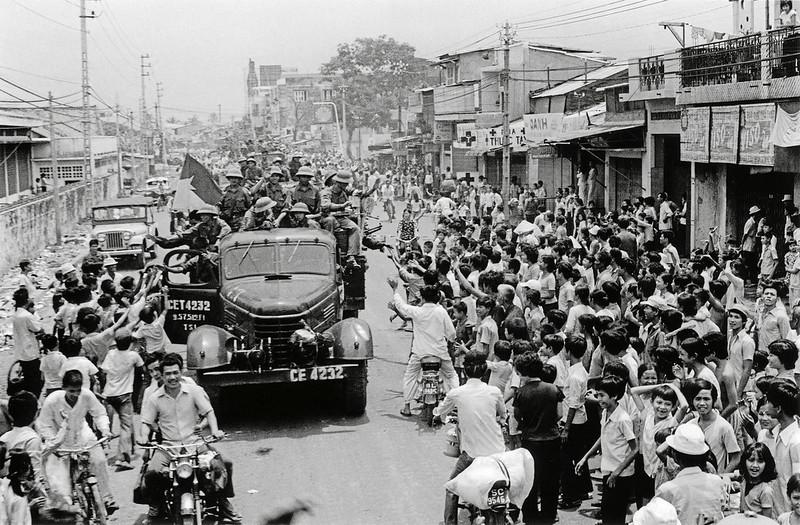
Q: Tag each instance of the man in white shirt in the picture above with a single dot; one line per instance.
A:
(665, 212)
(26, 325)
(433, 330)
(445, 206)
(25, 277)
(480, 407)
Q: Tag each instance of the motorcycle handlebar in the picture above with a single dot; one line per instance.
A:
(152, 445)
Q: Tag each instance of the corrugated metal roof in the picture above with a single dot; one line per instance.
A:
(15, 120)
(596, 75)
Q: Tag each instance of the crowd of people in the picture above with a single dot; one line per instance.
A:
(576, 334)
(103, 358)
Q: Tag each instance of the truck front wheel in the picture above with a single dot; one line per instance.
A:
(355, 392)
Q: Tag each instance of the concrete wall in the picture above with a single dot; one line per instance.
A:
(27, 227)
(709, 201)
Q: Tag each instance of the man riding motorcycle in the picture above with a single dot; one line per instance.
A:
(433, 329)
(175, 409)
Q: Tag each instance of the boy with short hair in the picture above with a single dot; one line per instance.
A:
(71, 348)
(618, 448)
(574, 487)
(487, 333)
(719, 434)
(551, 354)
(501, 367)
(120, 366)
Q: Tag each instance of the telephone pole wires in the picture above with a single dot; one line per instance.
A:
(506, 38)
(54, 171)
(86, 119)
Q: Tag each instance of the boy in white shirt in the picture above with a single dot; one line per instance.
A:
(120, 366)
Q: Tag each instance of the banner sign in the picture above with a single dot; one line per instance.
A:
(724, 137)
(542, 126)
(442, 132)
(466, 136)
(755, 136)
(695, 134)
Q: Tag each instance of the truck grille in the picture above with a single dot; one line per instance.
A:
(279, 330)
(114, 241)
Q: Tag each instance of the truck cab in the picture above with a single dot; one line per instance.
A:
(280, 313)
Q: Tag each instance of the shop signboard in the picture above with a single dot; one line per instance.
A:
(443, 132)
(724, 137)
(755, 135)
(695, 124)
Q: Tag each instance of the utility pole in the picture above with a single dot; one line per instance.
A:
(343, 89)
(219, 112)
(119, 153)
(54, 171)
(143, 122)
(87, 115)
(160, 122)
(506, 37)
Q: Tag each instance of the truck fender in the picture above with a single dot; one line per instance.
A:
(207, 347)
(352, 339)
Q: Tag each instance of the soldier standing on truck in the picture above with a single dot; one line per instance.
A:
(305, 192)
(253, 174)
(235, 201)
(336, 201)
(272, 188)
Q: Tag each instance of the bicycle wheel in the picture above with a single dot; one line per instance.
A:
(99, 511)
(15, 372)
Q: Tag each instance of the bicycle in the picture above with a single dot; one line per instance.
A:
(83, 481)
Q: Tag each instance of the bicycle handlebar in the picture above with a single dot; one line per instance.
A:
(65, 451)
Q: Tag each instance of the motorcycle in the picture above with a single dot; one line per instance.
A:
(188, 470)
(431, 386)
(85, 492)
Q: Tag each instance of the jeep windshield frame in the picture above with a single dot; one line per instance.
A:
(120, 214)
(259, 259)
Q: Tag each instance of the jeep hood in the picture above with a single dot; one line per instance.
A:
(278, 297)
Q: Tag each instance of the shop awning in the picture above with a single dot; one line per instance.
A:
(594, 131)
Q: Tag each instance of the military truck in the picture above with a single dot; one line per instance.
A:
(284, 311)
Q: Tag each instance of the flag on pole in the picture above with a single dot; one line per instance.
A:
(196, 187)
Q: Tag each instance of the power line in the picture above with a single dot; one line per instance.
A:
(26, 90)
(594, 16)
(37, 13)
(561, 15)
(40, 76)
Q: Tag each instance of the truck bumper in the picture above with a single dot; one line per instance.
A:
(310, 374)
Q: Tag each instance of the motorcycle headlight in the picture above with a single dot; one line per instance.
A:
(184, 470)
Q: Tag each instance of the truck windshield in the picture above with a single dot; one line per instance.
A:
(292, 259)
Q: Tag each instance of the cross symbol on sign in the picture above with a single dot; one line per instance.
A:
(468, 178)
(468, 138)
(492, 132)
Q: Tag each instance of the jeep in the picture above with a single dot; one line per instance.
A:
(121, 226)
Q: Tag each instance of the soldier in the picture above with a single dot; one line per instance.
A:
(253, 174)
(259, 217)
(336, 201)
(296, 217)
(235, 201)
(243, 166)
(273, 188)
(210, 226)
(305, 192)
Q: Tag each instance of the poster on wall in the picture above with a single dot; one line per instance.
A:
(755, 135)
(695, 134)
(442, 132)
(724, 138)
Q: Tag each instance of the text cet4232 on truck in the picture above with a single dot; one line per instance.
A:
(284, 311)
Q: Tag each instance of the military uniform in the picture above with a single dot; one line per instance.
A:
(233, 205)
(211, 231)
(253, 174)
(93, 264)
(256, 221)
(339, 218)
(310, 196)
(275, 192)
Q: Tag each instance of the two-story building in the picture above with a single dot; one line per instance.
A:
(720, 128)
(468, 104)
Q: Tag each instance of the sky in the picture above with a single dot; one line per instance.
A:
(199, 49)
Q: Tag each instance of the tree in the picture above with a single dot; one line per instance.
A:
(376, 72)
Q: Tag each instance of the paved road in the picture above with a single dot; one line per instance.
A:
(288, 443)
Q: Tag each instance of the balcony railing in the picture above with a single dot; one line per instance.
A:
(784, 49)
(756, 57)
(725, 62)
(651, 73)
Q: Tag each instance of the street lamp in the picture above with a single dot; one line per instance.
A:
(338, 129)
